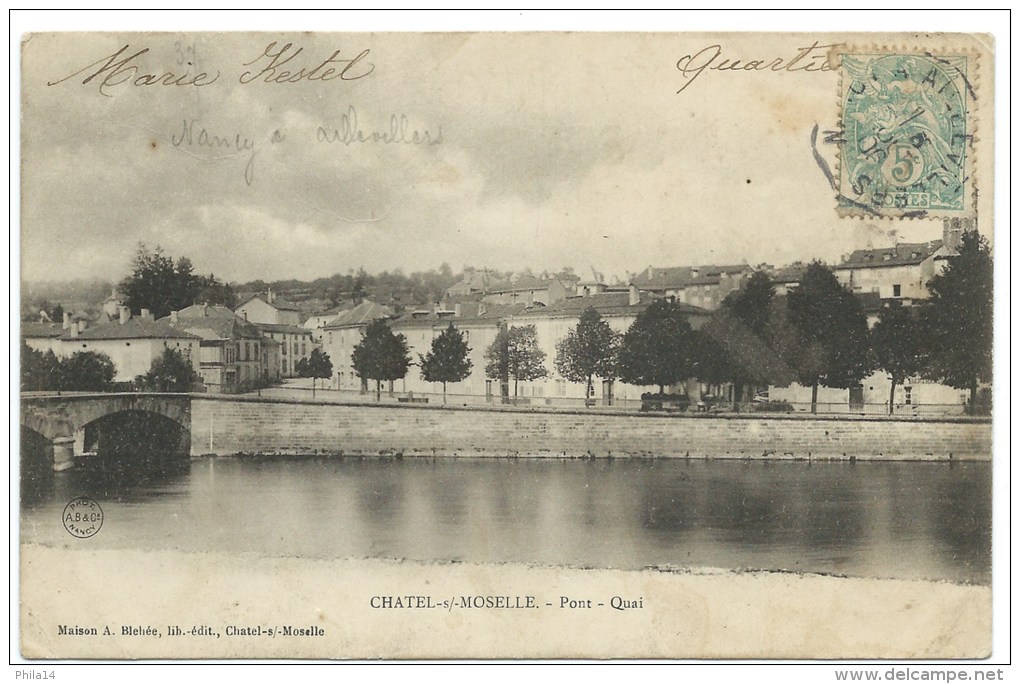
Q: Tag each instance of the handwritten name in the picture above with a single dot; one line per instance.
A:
(349, 132)
(275, 65)
(116, 72)
(811, 58)
(352, 69)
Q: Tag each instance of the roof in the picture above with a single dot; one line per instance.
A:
(36, 329)
(901, 254)
(785, 275)
(610, 303)
(134, 328)
(470, 312)
(283, 328)
(654, 278)
(521, 284)
(362, 314)
(277, 303)
(214, 322)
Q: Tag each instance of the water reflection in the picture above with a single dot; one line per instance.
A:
(909, 520)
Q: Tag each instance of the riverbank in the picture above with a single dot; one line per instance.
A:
(225, 425)
(238, 606)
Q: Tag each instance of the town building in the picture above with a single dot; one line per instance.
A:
(898, 272)
(295, 343)
(701, 286)
(230, 351)
(618, 307)
(478, 322)
(269, 308)
(131, 342)
(344, 333)
(42, 336)
(528, 290)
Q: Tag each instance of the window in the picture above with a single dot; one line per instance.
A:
(896, 290)
(907, 398)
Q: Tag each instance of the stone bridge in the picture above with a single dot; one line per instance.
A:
(63, 419)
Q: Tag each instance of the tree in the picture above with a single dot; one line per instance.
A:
(210, 290)
(515, 354)
(829, 333)
(750, 306)
(39, 370)
(317, 365)
(588, 350)
(898, 343)
(170, 372)
(86, 371)
(447, 360)
(658, 348)
(381, 355)
(158, 284)
(958, 318)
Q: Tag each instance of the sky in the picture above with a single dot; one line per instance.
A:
(545, 150)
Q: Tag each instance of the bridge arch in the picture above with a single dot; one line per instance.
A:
(65, 420)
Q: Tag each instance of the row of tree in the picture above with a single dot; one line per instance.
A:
(817, 335)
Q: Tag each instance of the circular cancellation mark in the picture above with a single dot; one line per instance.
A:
(82, 517)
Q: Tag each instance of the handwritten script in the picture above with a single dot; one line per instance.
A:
(276, 65)
(811, 58)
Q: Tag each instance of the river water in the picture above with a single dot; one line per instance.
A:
(888, 519)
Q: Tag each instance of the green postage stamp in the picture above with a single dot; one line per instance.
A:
(907, 134)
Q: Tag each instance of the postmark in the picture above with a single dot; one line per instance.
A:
(906, 135)
(82, 517)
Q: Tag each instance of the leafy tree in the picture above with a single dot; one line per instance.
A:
(447, 360)
(829, 331)
(158, 283)
(381, 355)
(898, 342)
(658, 348)
(86, 371)
(958, 317)
(750, 307)
(40, 371)
(162, 285)
(588, 350)
(210, 290)
(171, 372)
(515, 354)
(317, 365)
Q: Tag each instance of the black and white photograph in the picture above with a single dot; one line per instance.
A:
(527, 345)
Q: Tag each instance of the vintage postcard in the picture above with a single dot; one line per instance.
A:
(506, 345)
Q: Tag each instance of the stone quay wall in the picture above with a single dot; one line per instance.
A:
(242, 425)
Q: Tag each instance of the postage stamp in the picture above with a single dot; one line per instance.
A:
(906, 135)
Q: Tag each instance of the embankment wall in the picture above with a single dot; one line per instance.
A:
(230, 425)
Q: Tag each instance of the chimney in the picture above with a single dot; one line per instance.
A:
(125, 315)
(436, 308)
(174, 319)
(457, 310)
(205, 309)
(74, 330)
(651, 274)
(145, 314)
(82, 325)
(67, 320)
(269, 295)
(481, 308)
(245, 315)
(634, 297)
